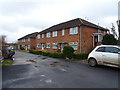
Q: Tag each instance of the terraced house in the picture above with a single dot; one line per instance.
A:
(78, 33)
(27, 42)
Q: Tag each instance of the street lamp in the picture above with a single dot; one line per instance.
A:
(118, 23)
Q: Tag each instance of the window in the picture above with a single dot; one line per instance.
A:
(38, 36)
(28, 46)
(23, 40)
(48, 35)
(28, 39)
(38, 45)
(23, 46)
(63, 32)
(54, 45)
(74, 30)
(112, 50)
(42, 35)
(54, 34)
(74, 45)
(47, 45)
(101, 49)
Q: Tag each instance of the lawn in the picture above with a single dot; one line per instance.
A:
(6, 63)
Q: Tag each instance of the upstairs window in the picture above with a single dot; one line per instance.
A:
(54, 34)
(48, 35)
(63, 32)
(42, 35)
(38, 36)
(28, 39)
(74, 30)
(23, 40)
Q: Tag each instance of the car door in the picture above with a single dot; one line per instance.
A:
(111, 55)
(99, 54)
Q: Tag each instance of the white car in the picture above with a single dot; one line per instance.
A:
(108, 55)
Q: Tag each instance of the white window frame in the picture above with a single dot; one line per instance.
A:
(38, 45)
(54, 45)
(74, 45)
(42, 35)
(74, 30)
(48, 34)
(54, 34)
(23, 40)
(28, 39)
(63, 32)
(38, 36)
(47, 45)
(28, 46)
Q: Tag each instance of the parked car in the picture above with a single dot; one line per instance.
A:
(9, 52)
(108, 55)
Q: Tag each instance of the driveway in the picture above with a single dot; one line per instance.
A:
(35, 71)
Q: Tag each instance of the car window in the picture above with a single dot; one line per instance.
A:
(112, 50)
(101, 49)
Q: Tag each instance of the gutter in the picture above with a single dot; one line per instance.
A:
(80, 38)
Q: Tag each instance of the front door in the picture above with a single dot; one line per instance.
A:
(43, 46)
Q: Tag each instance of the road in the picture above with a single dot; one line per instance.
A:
(35, 71)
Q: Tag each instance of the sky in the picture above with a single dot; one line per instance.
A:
(22, 17)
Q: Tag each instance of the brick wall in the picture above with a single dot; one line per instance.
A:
(32, 43)
(66, 38)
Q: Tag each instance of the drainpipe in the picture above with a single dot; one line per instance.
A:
(80, 38)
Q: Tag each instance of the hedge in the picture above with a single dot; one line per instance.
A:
(35, 52)
(58, 54)
(80, 56)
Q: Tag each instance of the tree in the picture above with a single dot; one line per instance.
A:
(109, 39)
(68, 52)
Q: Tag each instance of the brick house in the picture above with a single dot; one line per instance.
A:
(82, 35)
(28, 41)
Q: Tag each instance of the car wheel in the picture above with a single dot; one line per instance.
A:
(92, 62)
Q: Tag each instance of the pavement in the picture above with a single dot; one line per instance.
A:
(36, 71)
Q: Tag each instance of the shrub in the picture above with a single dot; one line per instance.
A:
(21, 48)
(68, 52)
(109, 39)
(80, 56)
(56, 55)
(61, 55)
(35, 52)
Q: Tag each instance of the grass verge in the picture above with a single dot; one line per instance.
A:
(6, 63)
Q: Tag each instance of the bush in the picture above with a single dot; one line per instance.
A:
(61, 55)
(50, 54)
(109, 39)
(80, 56)
(35, 52)
(21, 48)
(68, 52)
(56, 55)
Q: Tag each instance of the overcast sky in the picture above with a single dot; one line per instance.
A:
(21, 17)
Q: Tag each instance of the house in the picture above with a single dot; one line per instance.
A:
(27, 42)
(82, 35)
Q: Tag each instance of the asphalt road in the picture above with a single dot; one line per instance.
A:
(35, 71)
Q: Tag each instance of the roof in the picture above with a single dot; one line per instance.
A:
(72, 23)
(32, 35)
